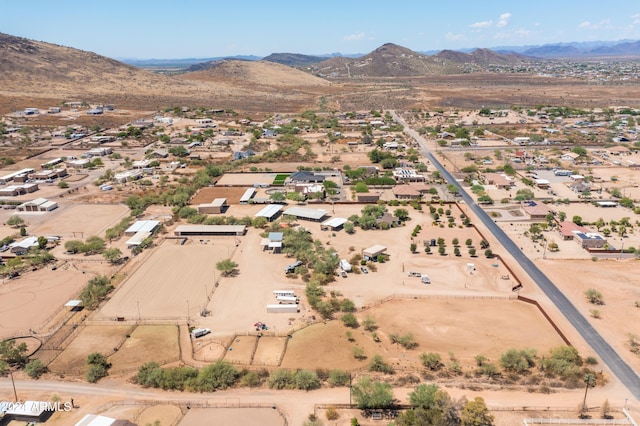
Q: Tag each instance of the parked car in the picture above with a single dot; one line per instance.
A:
(364, 269)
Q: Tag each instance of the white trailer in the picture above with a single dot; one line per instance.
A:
(425, 279)
(282, 309)
(290, 293)
(345, 265)
(199, 332)
(287, 299)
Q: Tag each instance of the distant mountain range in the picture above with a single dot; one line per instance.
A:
(574, 50)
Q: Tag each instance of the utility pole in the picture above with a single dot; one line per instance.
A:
(13, 383)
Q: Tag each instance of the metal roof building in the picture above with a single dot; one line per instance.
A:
(187, 230)
(142, 226)
(333, 223)
(248, 194)
(270, 212)
(305, 213)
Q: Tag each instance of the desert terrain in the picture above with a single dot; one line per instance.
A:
(475, 304)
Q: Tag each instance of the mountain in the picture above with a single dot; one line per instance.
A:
(294, 59)
(252, 74)
(44, 74)
(586, 50)
(181, 63)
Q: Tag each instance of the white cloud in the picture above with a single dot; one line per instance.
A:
(482, 24)
(354, 37)
(587, 25)
(636, 19)
(504, 20)
(455, 37)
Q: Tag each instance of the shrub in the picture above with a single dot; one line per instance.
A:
(35, 368)
(332, 414)
(338, 378)
(431, 360)
(594, 296)
(281, 379)
(350, 320)
(378, 364)
(306, 380)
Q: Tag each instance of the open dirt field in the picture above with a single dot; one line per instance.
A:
(232, 417)
(147, 343)
(619, 284)
(173, 283)
(207, 195)
(165, 414)
(438, 325)
(269, 350)
(83, 219)
(240, 301)
(73, 360)
(35, 297)
(241, 349)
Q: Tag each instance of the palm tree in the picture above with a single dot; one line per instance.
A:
(590, 382)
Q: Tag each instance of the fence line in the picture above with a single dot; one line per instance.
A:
(626, 413)
(544, 313)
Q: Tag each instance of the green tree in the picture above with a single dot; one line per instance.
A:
(23, 231)
(218, 376)
(97, 367)
(423, 396)
(401, 214)
(112, 255)
(15, 221)
(35, 368)
(42, 242)
(13, 353)
(226, 266)
(370, 394)
(306, 380)
(476, 413)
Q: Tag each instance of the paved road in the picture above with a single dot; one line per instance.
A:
(606, 353)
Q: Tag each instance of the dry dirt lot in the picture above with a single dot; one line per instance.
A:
(207, 195)
(73, 360)
(240, 349)
(232, 417)
(464, 327)
(85, 220)
(619, 284)
(147, 343)
(29, 301)
(173, 283)
(269, 350)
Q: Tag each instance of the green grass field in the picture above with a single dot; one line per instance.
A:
(280, 178)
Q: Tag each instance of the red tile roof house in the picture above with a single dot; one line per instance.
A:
(568, 228)
(537, 211)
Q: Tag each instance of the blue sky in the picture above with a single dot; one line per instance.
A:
(194, 28)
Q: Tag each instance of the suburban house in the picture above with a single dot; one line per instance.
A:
(569, 156)
(590, 240)
(536, 211)
(22, 247)
(568, 229)
(389, 219)
(406, 192)
(499, 180)
(306, 177)
(241, 155)
(401, 174)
